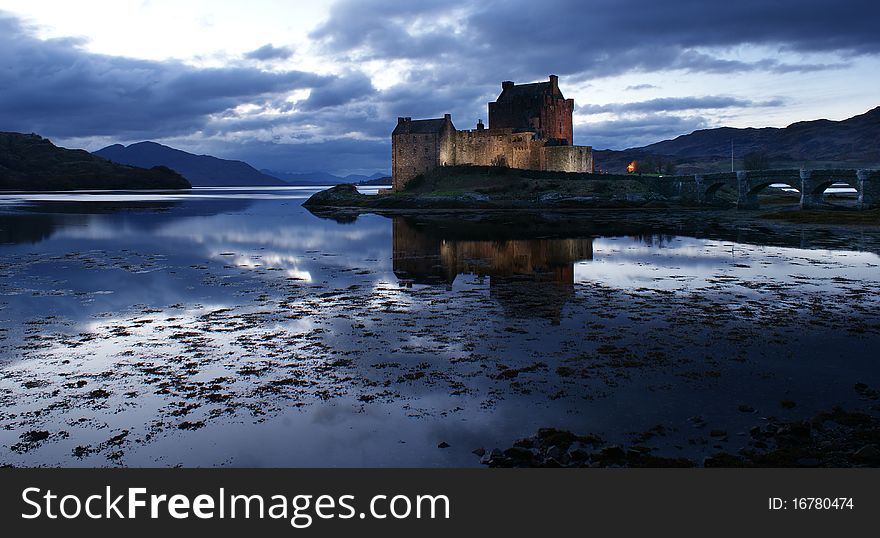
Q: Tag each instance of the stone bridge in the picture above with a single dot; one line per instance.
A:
(810, 183)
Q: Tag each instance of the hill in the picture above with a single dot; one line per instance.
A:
(850, 143)
(200, 170)
(31, 162)
(324, 178)
(382, 180)
(309, 178)
(853, 139)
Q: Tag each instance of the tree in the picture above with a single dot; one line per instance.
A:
(756, 160)
(656, 164)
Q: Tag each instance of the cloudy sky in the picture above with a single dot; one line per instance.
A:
(317, 86)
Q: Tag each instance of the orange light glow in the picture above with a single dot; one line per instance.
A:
(631, 167)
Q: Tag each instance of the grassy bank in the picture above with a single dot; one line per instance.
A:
(483, 187)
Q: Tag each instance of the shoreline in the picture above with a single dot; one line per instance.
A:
(345, 199)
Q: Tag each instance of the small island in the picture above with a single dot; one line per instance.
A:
(494, 187)
(29, 162)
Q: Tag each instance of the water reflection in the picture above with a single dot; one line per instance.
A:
(528, 277)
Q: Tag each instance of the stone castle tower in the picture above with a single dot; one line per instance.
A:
(538, 107)
(530, 127)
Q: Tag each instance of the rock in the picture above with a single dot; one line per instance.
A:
(787, 404)
(723, 459)
(808, 462)
(492, 457)
(867, 452)
(579, 454)
(444, 444)
(519, 454)
(549, 197)
(718, 433)
(554, 452)
(34, 436)
(866, 392)
(473, 197)
(528, 442)
(480, 452)
(613, 452)
(795, 429)
(746, 408)
(344, 194)
(632, 454)
(554, 436)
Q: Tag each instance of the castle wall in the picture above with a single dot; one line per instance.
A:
(567, 158)
(483, 147)
(413, 154)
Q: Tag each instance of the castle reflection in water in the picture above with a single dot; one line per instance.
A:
(528, 277)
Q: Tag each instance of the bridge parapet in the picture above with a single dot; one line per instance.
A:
(701, 188)
(869, 188)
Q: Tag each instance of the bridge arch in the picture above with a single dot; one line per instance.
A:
(816, 182)
(712, 188)
(752, 183)
(755, 187)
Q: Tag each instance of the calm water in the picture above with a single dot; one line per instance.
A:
(233, 327)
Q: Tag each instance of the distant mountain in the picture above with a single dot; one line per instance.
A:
(200, 170)
(854, 142)
(31, 162)
(309, 178)
(322, 178)
(381, 180)
(853, 139)
(356, 178)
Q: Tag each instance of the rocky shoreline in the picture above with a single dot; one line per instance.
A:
(345, 203)
(347, 196)
(835, 438)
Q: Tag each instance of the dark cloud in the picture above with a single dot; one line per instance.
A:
(55, 88)
(671, 104)
(410, 29)
(636, 87)
(527, 39)
(636, 132)
(339, 91)
(269, 52)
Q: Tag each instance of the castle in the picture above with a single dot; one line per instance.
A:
(530, 127)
